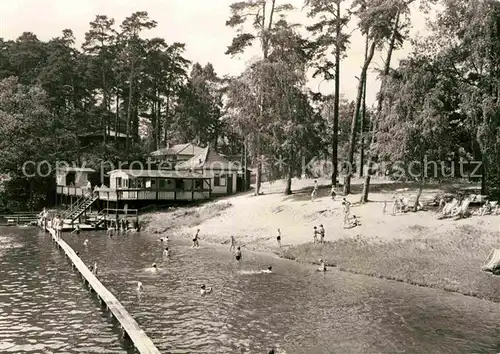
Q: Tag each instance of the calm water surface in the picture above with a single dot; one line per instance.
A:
(43, 306)
(295, 309)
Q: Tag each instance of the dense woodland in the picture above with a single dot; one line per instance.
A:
(440, 103)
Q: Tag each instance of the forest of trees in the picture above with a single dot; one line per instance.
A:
(440, 103)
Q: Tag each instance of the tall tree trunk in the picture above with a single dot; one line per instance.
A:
(336, 99)
(362, 123)
(419, 194)
(289, 174)
(167, 114)
(153, 145)
(158, 124)
(117, 116)
(385, 73)
(265, 52)
(355, 117)
(129, 107)
(105, 119)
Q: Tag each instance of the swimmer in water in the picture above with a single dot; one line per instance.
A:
(86, 242)
(268, 270)
(166, 252)
(237, 254)
(155, 267)
(195, 239)
(94, 269)
(139, 286)
(204, 290)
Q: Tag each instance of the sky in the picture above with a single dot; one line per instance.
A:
(198, 23)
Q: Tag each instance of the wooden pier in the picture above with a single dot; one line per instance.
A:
(129, 327)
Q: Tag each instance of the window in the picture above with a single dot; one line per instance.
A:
(223, 181)
(216, 181)
(118, 182)
(188, 184)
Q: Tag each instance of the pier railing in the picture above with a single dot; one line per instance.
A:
(130, 328)
(19, 218)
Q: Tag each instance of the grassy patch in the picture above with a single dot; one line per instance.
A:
(449, 262)
(179, 217)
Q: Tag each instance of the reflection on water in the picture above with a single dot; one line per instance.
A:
(43, 306)
(295, 308)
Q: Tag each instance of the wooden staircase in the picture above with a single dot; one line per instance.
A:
(81, 205)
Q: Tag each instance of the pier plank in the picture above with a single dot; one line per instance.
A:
(140, 339)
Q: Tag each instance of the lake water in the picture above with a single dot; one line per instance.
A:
(45, 309)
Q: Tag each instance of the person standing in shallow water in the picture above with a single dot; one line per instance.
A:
(321, 234)
(278, 238)
(315, 235)
(232, 247)
(237, 255)
(195, 239)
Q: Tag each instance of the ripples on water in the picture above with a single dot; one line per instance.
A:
(43, 306)
(295, 308)
(45, 309)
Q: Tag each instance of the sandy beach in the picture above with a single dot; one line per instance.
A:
(416, 248)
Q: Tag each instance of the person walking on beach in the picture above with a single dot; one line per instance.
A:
(384, 209)
(195, 239)
(321, 234)
(232, 247)
(346, 205)
(315, 235)
(333, 194)
(395, 206)
(314, 191)
(237, 254)
(278, 238)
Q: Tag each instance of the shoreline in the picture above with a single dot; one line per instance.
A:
(283, 256)
(412, 248)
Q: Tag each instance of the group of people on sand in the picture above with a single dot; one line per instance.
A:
(319, 231)
(346, 207)
(349, 222)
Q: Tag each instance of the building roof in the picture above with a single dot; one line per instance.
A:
(188, 149)
(74, 169)
(208, 159)
(110, 133)
(159, 173)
